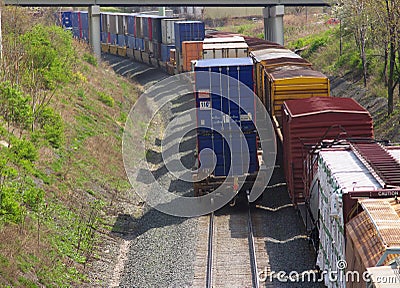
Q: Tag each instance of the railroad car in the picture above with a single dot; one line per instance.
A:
(215, 132)
(354, 208)
(306, 122)
(332, 164)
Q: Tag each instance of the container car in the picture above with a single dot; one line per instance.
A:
(352, 223)
(305, 122)
(210, 125)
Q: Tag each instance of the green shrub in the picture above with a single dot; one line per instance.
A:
(106, 99)
(90, 58)
(51, 127)
(48, 56)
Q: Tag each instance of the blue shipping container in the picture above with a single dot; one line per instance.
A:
(75, 20)
(139, 44)
(131, 25)
(165, 51)
(66, 19)
(188, 31)
(113, 39)
(121, 40)
(76, 33)
(85, 35)
(131, 42)
(223, 148)
(145, 26)
(209, 95)
(104, 37)
(84, 18)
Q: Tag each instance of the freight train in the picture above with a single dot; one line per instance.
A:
(344, 183)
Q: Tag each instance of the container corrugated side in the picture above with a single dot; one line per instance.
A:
(104, 22)
(339, 171)
(66, 19)
(210, 97)
(113, 23)
(168, 30)
(306, 121)
(291, 82)
(138, 27)
(113, 39)
(188, 31)
(121, 24)
(121, 40)
(165, 52)
(225, 50)
(84, 18)
(131, 42)
(131, 25)
(75, 20)
(191, 50)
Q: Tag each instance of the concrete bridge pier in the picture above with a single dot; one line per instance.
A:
(94, 29)
(273, 23)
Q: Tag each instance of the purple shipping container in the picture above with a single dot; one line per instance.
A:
(165, 52)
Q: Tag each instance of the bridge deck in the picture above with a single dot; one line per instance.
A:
(226, 3)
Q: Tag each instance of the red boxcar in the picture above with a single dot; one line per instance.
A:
(305, 122)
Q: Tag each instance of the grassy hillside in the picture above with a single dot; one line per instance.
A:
(334, 52)
(61, 171)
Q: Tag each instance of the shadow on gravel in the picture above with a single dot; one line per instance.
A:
(139, 72)
(128, 228)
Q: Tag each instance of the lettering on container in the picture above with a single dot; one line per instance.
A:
(205, 105)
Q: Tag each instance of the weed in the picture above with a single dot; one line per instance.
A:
(90, 58)
(106, 99)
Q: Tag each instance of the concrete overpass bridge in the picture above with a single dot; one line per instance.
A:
(273, 11)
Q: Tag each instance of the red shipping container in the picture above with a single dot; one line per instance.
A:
(191, 50)
(305, 122)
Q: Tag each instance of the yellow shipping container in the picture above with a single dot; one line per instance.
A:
(290, 82)
(105, 48)
(114, 49)
(122, 51)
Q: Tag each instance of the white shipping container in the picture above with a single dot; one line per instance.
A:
(225, 50)
(339, 172)
(168, 31)
(216, 40)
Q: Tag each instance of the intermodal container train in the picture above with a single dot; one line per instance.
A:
(344, 183)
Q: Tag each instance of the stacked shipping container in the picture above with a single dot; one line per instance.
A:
(212, 84)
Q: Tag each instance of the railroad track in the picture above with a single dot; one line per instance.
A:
(231, 256)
